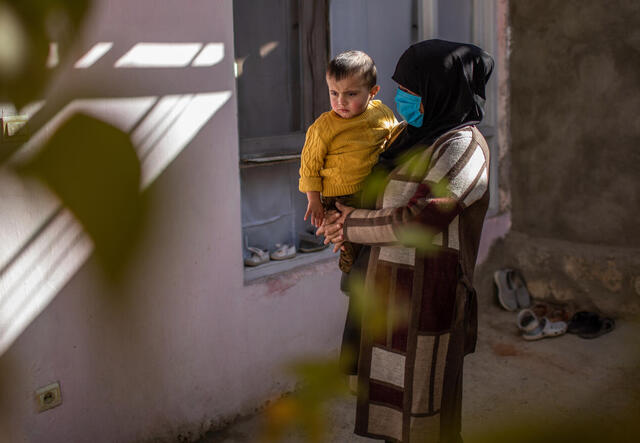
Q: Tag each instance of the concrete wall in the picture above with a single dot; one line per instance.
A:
(182, 344)
(574, 156)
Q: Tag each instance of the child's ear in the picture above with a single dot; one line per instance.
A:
(374, 91)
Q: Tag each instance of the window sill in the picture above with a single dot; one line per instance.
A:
(252, 162)
(277, 266)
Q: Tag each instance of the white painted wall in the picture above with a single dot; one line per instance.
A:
(381, 28)
(181, 344)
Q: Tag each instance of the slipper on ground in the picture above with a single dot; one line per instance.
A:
(582, 321)
(590, 324)
(534, 328)
(504, 291)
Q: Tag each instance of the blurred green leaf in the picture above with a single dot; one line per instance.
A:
(370, 304)
(94, 170)
(417, 236)
(441, 189)
(13, 43)
(320, 380)
(29, 26)
(373, 186)
(415, 159)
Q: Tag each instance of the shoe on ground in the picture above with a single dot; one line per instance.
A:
(511, 289)
(590, 324)
(534, 328)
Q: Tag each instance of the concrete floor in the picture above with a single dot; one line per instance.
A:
(510, 382)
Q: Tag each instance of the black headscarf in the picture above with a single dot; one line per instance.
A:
(450, 78)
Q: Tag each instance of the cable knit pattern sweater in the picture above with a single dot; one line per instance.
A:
(339, 153)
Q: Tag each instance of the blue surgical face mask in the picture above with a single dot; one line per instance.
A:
(408, 106)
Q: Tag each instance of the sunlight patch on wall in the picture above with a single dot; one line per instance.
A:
(43, 245)
(210, 55)
(238, 66)
(123, 113)
(267, 48)
(7, 109)
(29, 284)
(53, 58)
(93, 55)
(196, 112)
(159, 55)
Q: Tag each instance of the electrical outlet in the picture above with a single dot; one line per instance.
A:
(48, 397)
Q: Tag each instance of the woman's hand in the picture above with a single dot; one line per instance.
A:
(332, 226)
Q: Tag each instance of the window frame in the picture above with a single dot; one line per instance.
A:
(274, 150)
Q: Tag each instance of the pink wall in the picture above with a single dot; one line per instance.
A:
(182, 344)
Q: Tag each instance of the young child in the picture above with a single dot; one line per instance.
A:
(343, 144)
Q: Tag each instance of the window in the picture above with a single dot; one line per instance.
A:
(471, 21)
(281, 52)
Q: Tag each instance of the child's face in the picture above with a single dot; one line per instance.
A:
(350, 95)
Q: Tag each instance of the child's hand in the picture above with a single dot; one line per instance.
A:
(316, 211)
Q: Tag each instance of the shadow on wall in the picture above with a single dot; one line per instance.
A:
(49, 235)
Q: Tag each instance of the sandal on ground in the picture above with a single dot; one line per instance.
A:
(505, 293)
(283, 252)
(522, 292)
(590, 324)
(511, 289)
(603, 326)
(534, 328)
(580, 321)
(258, 257)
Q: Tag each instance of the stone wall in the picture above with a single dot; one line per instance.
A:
(575, 133)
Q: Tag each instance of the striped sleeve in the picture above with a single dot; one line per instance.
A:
(456, 178)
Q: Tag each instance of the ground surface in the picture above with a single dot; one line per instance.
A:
(509, 381)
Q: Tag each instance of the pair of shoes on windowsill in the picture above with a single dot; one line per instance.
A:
(283, 252)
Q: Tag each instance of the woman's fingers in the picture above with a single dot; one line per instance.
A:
(335, 238)
(344, 209)
(329, 219)
(332, 230)
(332, 216)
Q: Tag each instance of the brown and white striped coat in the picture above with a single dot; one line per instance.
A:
(410, 378)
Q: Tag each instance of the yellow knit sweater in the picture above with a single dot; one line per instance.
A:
(339, 153)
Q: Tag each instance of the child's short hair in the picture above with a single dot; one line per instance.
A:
(353, 62)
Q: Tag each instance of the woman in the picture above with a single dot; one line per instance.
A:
(424, 234)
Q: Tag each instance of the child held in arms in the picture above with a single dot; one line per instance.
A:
(343, 144)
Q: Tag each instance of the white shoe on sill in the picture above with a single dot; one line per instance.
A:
(258, 257)
(283, 252)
